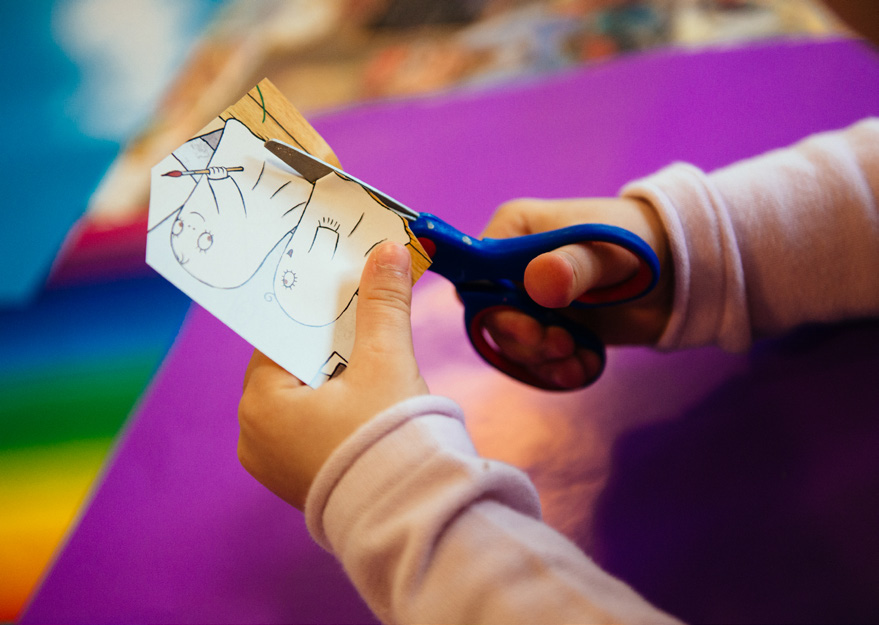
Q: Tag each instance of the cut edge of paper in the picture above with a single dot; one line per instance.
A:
(285, 123)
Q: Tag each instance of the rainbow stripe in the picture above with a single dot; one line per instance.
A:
(72, 367)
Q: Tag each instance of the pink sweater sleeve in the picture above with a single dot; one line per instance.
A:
(429, 532)
(772, 242)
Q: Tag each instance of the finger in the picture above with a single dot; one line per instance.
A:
(262, 370)
(252, 364)
(558, 343)
(550, 353)
(567, 373)
(517, 336)
(557, 278)
(529, 216)
(383, 326)
(517, 218)
(572, 372)
(522, 339)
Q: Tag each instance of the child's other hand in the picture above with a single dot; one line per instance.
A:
(556, 278)
(288, 430)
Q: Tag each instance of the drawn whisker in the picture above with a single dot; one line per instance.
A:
(357, 224)
(279, 189)
(258, 178)
(374, 245)
(293, 209)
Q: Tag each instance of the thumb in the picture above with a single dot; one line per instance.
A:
(383, 326)
(557, 278)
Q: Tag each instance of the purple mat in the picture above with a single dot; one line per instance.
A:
(751, 496)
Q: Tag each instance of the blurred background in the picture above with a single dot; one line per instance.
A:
(100, 90)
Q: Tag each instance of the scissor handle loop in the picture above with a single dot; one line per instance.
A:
(488, 274)
(478, 305)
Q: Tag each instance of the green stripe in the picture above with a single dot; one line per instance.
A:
(56, 405)
(30, 466)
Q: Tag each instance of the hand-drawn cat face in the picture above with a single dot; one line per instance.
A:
(315, 281)
(191, 231)
(209, 247)
(236, 215)
(318, 275)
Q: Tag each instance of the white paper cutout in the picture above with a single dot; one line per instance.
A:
(276, 258)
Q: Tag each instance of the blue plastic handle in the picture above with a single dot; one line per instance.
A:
(488, 274)
(461, 259)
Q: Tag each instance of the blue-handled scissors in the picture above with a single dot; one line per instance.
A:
(488, 273)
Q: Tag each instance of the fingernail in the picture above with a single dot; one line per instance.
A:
(392, 256)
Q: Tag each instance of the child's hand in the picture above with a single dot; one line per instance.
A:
(288, 430)
(557, 278)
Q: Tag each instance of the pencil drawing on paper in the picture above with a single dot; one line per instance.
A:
(238, 230)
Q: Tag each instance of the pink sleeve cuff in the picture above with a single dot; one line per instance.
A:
(359, 443)
(769, 243)
(709, 306)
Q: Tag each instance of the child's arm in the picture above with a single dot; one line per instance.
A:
(753, 249)
(427, 530)
(773, 242)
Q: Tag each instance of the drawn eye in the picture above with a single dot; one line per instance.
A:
(288, 279)
(205, 240)
(177, 228)
(329, 223)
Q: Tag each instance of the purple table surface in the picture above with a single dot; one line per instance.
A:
(744, 488)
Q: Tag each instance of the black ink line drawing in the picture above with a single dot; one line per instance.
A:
(318, 275)
(332, 366)
(237, 212)
(242, 203)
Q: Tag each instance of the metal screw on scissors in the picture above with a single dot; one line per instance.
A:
(488, 273)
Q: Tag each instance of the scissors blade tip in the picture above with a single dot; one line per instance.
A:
(312, 168)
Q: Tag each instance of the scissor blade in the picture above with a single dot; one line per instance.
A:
(313, 169)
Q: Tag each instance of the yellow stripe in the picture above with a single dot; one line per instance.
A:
(41, 491)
